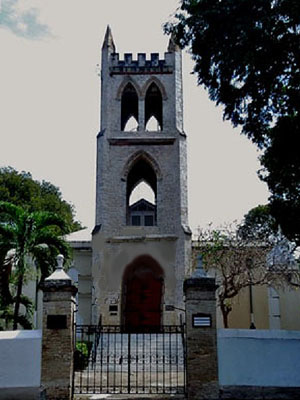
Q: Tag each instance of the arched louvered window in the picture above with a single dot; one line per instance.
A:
(129, 108)
(153, 108)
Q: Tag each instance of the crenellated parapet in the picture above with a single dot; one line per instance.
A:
(141, 65)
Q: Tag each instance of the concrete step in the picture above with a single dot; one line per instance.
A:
(128, 397)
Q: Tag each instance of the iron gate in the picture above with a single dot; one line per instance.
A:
(109, 360)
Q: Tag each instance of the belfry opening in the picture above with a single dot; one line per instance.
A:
(129, 108)
(142, 211)
(142, 292)
(153, 109)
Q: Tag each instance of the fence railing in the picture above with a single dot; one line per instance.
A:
(108, 359)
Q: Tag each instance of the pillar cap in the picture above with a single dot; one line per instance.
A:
(59, 279)
(206, 284)
(59, 273)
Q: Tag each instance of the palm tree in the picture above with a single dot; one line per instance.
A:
(29, 236)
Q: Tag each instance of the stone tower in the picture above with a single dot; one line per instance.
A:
(141, 246)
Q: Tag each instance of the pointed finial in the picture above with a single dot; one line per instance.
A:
(173, 46)
(108, 40)
(60, 261)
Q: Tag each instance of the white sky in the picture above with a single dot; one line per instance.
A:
(49, 102)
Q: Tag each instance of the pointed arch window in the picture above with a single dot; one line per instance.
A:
(153, 107)
(129, 107)
(141, 194)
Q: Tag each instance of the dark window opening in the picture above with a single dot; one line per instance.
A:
(141, 195)
(149, 220)
(153, 109)
(129, 107)
(142, 213)
(135, 220)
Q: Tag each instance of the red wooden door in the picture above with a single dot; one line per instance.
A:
(143, 301)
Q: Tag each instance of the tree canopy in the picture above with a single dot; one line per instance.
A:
(33, 219)
(242, 262)
(20, 189)
(258, 224)
(281, 162)
(26, 237)
(246, 55)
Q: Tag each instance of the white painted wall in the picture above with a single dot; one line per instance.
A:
(259, 357)
(246, 357)
(20, 355)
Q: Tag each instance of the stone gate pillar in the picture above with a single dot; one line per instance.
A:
(201, 338)
(57, 343)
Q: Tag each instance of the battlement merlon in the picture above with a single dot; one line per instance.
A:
(141, 64)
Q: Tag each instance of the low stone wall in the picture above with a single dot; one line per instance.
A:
(20, 366)
(253, 364)
(260, 358)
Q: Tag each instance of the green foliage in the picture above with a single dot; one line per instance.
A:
(246, 54)
(281, 172)
(27, 237)
(83, 348)
(33, 219)
(258, 224)
(239, 262)
(7, 314)
(20, 189)
(82, 354)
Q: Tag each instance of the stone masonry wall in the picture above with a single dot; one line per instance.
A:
(57, 346)
(202, 365)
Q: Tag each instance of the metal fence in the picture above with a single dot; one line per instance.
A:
(109, 360)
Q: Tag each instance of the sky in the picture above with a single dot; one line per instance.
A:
(50, 104)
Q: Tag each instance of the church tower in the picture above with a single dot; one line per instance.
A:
(141, 241)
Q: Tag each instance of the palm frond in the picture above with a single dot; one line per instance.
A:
(11, 211)
(6, 233)
(49, 238)
(45, 219)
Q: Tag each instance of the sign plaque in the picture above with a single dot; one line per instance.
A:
(56, 322)
(201, 320)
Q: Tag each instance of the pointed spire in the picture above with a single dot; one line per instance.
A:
(108, 40)
(173, 46)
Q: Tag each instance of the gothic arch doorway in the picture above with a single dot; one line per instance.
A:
(143, 283)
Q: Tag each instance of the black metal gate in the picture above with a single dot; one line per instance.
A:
(109, 360)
